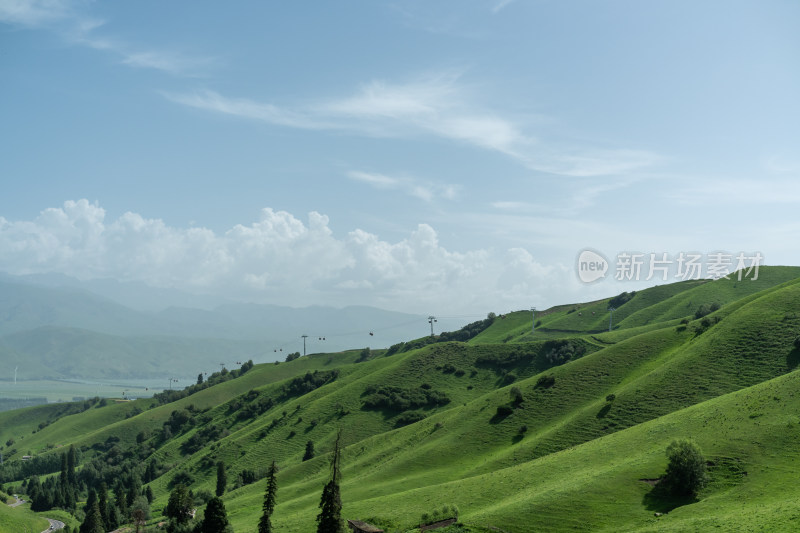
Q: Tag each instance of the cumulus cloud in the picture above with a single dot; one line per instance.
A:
(278, 258)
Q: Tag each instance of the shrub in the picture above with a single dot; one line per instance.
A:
(409, 417)
(516, 395)
(545, 382)
(686, 470)
(402, 399)
(364, 355)
(509, 378)
(611, 397)
(705, 309)
(523, 429)
(621, 299)
(394, 348)
(560, 351)
(503, 411)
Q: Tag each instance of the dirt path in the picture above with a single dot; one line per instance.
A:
(17, 501)
(54, 524)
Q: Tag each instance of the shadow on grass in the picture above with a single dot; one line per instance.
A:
(793, 359)
(604, 411)
(517, 438)
(661, 500)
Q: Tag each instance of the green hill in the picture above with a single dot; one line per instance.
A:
(561, 429)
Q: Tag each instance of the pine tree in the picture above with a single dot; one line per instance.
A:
(265, 524)
(216, 519)
(102, 504)
(309, 451)
(72, 460)
(329, 520)
(92, 523)
(222, 479)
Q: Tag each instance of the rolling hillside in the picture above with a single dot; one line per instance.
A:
(562, 429)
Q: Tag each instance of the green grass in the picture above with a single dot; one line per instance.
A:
(730, 385)
(20, 520)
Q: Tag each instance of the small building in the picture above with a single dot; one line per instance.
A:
(357, 526)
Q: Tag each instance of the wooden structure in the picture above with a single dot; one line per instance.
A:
(362, 527)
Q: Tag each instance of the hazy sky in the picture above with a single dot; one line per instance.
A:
(433, 157)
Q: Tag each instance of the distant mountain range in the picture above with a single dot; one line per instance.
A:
(58, 327)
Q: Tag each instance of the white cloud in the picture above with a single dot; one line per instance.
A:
(278, 258)
(502, 4)
(32, 12)
(718, 192)
(374, 179)
(436, 105)
(67, 19)
(413, 187)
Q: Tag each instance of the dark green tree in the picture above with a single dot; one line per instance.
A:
(686, 470)
(148, 492)
(309, 451)
(200, 378)
(92, 523)
(179, 506)
(216, 519)
(72, 460)
(102, 504)
(222, 479)
(329, 519)
(265, 523)
(121, 498)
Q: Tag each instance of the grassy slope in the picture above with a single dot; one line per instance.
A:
(20, 520)
(654, 368)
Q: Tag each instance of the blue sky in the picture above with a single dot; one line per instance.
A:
(422, 156)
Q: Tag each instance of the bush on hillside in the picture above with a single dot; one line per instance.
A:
(409, 417)
(364, 355)
(400, 399)
(561, 351)
(516, 396)
(705, 309)
(504, 411)
(309, 382)
(686, 470)
(621, 299)
(545, 382)
(797, 342)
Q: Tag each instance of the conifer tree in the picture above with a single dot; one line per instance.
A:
(265, 524)
(92, 523)
(216, 518)
(329, 519)
(102, 504)
(222, 479)
(309, 451)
